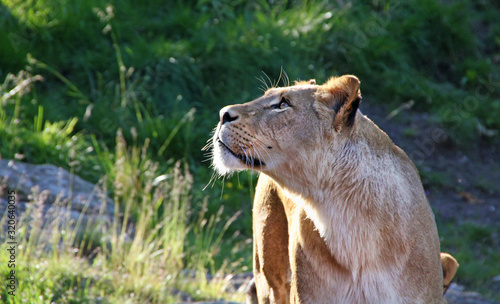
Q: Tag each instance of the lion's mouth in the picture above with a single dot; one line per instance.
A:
(248, 160)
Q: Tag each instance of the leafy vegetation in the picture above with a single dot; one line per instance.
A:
(124, 92)
(113, 262)
(476, 248)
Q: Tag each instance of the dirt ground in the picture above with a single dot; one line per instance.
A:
(463, 184)
(462, 181)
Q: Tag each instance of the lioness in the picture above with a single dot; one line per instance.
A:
(340, 215)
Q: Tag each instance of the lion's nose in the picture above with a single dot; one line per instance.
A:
(227, 114)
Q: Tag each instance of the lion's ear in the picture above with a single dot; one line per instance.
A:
(342, 95)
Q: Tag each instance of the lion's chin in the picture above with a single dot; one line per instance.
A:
(225, 161)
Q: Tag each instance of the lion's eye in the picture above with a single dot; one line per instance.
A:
(284, 103)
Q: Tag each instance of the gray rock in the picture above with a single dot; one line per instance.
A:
(55, 194)
(60, 184)
(457, 294)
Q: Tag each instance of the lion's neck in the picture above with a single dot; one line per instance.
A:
(348, 191)
(346, 170)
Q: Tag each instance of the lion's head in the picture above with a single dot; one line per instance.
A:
(271, 133)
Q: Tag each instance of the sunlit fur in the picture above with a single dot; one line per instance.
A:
(340, 215)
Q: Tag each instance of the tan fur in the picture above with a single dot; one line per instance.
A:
(339, 215)
(450, 267)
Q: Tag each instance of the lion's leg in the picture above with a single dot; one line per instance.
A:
(270, 236)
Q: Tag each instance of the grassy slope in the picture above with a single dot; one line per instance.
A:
(161, 72)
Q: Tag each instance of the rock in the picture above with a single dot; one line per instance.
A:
(185, 298)
(61, 185)
(240, 282)
(55, 193)
(457, 294)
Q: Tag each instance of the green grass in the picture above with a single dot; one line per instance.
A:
(109, 263)
(477, 249)
(136, 87)
(196, 55)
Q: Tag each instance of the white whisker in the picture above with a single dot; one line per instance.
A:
(262, 146)
(212, 180)
(264, 85)
(248, 158)
(270, 82)
(283, 77)
(286, 80)
(258, 154)
(222, 189)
